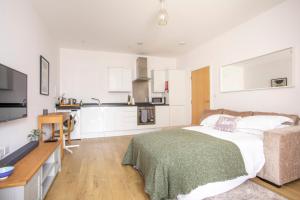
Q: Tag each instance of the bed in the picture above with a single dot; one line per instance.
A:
(195, 162)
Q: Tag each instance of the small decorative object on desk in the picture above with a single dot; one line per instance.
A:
(45, 111)
(6, 172)
(51, 140)
(35, 135)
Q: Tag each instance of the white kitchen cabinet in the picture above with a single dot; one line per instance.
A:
(127, 80)
(158, 81)
(177, 97)
(120, 118)
(115, 76)
(110, 115)
(92, 121)
(162, 114)
(177, 87)
(99, 121)
(119, 79)
(177, 115)
(129, 118)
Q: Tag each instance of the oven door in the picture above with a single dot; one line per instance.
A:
(146, 115)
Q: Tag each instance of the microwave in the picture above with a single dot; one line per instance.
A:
(158, 100)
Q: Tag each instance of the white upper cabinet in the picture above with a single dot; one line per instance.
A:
(177, 87)
(127, 80)
(115, 76)
(119, 79)
(158, 81)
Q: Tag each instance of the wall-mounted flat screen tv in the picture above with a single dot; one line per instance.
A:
(13, 94)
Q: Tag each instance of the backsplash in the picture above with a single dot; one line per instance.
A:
(140, 91)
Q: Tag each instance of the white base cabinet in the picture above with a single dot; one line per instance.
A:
(98, 121)
(120, 118)
(114, 121)
(162, 114)
(91, 121)
(177, 115)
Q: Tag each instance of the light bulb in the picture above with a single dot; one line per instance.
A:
(163, 17)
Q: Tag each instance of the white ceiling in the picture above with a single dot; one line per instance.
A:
(118, 25)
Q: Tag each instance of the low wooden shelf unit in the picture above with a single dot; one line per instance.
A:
(33, 174)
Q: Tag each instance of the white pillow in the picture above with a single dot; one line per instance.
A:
(262, 122)
(251, 131)
(211, 120)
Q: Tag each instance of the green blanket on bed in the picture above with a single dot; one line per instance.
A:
(177, 161)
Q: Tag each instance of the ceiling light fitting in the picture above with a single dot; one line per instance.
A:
(163, 14)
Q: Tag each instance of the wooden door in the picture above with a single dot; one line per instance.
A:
(200, 93)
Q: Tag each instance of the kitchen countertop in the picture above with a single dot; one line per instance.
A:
(108, 105)
(121, 104)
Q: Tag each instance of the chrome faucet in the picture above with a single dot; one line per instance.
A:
(96, 100)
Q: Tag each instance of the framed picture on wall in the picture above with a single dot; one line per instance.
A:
(279, 82)
(44, 76)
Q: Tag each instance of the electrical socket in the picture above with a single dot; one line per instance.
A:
(2, 152)
(6, 150)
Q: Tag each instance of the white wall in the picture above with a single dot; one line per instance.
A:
(23, 38)
(84, 73)
(276, 29)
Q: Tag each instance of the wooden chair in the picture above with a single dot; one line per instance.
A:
(67, 134)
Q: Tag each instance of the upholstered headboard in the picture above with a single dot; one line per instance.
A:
(209, 112)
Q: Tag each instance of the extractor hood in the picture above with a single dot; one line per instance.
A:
(141, 69)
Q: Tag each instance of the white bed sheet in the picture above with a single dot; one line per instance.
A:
(251, 147)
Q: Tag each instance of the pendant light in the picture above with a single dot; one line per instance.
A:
(163, 14)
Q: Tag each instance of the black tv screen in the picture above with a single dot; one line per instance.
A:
(13, 94)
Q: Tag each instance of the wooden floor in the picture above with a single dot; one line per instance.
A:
(94, 172)
(290, 190)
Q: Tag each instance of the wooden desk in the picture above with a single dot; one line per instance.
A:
(55, 118)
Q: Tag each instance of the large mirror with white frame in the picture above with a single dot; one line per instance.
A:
(274, 70)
